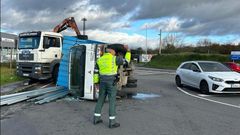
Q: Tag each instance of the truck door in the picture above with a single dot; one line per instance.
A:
(52, 48)
(77, 70)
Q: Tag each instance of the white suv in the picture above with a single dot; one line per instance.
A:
(208, 76)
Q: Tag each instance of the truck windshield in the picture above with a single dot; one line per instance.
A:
(29, 42)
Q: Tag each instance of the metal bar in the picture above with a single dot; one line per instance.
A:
(24, 96)
(11, 101)
(16, 101)
(45, 95)
(32, 92)
(54, 97)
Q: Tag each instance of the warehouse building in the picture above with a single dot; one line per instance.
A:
(8, 47)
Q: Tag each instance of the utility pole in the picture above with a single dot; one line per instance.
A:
(84, 20)
(160, 42)
(146, 40)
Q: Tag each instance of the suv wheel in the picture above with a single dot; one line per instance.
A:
(204, 87)
(178, 81)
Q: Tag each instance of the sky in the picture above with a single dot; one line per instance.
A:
(136, 22)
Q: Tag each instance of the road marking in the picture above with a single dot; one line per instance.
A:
(203, 95)
(214, 101)
(154, 72)
(45, 85)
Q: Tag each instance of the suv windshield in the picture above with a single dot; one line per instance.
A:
(29, 42)
(213, 67)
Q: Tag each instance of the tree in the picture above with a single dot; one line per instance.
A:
(175, 39)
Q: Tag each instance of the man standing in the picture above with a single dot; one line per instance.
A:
(108, 65)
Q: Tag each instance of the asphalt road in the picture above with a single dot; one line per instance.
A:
(172, 111)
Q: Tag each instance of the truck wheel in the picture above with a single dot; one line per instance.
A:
(55, 73)
(121, 94)
(32, 81)
(131, 85)
(132, 81)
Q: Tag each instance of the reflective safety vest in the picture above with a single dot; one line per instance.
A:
(128, 56)
(96, 76)
(107, 64)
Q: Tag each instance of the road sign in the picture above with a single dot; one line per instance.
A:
(235, 55)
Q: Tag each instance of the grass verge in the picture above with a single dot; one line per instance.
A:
(172, 61)
(9, 76)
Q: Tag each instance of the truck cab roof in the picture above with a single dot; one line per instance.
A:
(35, 33)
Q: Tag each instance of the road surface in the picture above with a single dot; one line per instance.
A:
(159, 108)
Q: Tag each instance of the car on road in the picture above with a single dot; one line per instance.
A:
(233, 66)
(208, 76)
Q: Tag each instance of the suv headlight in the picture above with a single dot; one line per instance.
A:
(216, 79)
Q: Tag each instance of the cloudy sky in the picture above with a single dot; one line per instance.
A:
(129, 21)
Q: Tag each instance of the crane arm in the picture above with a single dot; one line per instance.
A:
(68, 22)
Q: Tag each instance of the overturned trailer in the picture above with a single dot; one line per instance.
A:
(76, 71)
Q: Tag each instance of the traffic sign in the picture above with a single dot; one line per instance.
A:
(235, 55)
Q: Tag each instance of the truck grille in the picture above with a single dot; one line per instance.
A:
(26, 69)
(26, 57)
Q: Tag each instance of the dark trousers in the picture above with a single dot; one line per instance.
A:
(107, 89)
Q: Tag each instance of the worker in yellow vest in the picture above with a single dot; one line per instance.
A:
(108, 66)
(128, 54)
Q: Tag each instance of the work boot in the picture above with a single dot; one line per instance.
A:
(97, 120)
(113, 124)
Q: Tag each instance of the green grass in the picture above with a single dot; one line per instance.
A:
(172, 61)
(8, 75)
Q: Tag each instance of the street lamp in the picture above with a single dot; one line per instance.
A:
(160, 42)
(146, 39)
(84, 20)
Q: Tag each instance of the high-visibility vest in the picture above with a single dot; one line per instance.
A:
(107, 64)
(96, 76)
(128, 56)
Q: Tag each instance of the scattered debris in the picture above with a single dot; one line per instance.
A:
(72, 99)
(144, 96)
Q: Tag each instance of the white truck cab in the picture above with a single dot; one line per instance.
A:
(39, 54)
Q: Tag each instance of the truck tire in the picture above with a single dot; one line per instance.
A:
(121, 94)
(131, 85)
(132, 80)
(55, 73)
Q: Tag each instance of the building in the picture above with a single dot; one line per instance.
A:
(8, 47)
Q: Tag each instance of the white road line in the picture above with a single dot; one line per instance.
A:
(203, 95)
(214, 101)
(45, 85)
(151, 73)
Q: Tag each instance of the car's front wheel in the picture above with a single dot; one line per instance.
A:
(204, 87)
(178, 81)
